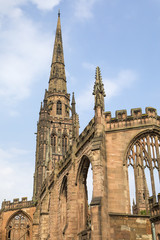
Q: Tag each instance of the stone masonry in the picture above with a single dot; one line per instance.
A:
(59, 209)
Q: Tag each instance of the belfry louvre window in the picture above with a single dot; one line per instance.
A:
(59, 107)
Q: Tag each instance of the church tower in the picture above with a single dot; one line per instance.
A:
(57, 122)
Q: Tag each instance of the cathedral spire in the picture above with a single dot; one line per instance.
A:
(57, 81)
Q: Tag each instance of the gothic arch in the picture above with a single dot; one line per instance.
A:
(133, 139)
(19, 226)
(143, 156)
(84, 163)
(83, 210)
(64, 143)
(54, 142)
(63, 205)
(19, 211)
(63, 185)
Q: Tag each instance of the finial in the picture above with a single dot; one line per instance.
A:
(59, 13)
(41, 107)
(98, 75)
(98, 90)
(45, 95)
(73, 104)
(73, 99)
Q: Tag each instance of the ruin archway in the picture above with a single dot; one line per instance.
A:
(19, 227)
(83, 208)
(143, 156)
(63, 205)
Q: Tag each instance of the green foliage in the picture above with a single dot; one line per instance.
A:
(143, 212)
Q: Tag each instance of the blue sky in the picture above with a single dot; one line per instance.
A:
(121, 37)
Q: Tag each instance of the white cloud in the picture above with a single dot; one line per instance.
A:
(24, 50)
(83, 8)
(11, 7)
(46, 4)
(24, 58)
(16, 173)
(114, 86)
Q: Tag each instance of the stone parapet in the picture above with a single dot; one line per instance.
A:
(136, 119)
(17, 204)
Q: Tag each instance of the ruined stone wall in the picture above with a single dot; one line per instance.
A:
(120, 131)
(132, 227)
(62, 207)
(155, 214)
(10, 209)
(157, 229)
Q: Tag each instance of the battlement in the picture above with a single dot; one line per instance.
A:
(16, 204)
(136, 118)
(154, 208)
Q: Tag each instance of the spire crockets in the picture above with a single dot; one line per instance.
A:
(57, 81)
(98, 90)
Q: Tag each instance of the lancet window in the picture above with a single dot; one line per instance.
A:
(144, 158)
(59, 107)
(54, 143)
(64, 144)
(63, 205)
(18, 227)
(83, 209)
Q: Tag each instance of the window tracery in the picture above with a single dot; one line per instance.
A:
(144, 157)
(18, 227)
(54, 143)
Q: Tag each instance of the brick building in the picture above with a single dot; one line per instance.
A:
(111, 145)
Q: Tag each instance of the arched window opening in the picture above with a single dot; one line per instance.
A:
(85, 189)
(90, 184)
(143, 157)
(157, 182)
(148, 180)
(64, 144)
(18, 227)
(9, 234)
(54, 143)
(59, 107)
(132, 189)
(63, 205)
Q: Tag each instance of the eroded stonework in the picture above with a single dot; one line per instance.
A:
(111, 145)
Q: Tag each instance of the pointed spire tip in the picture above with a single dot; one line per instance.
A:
(59, 13)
